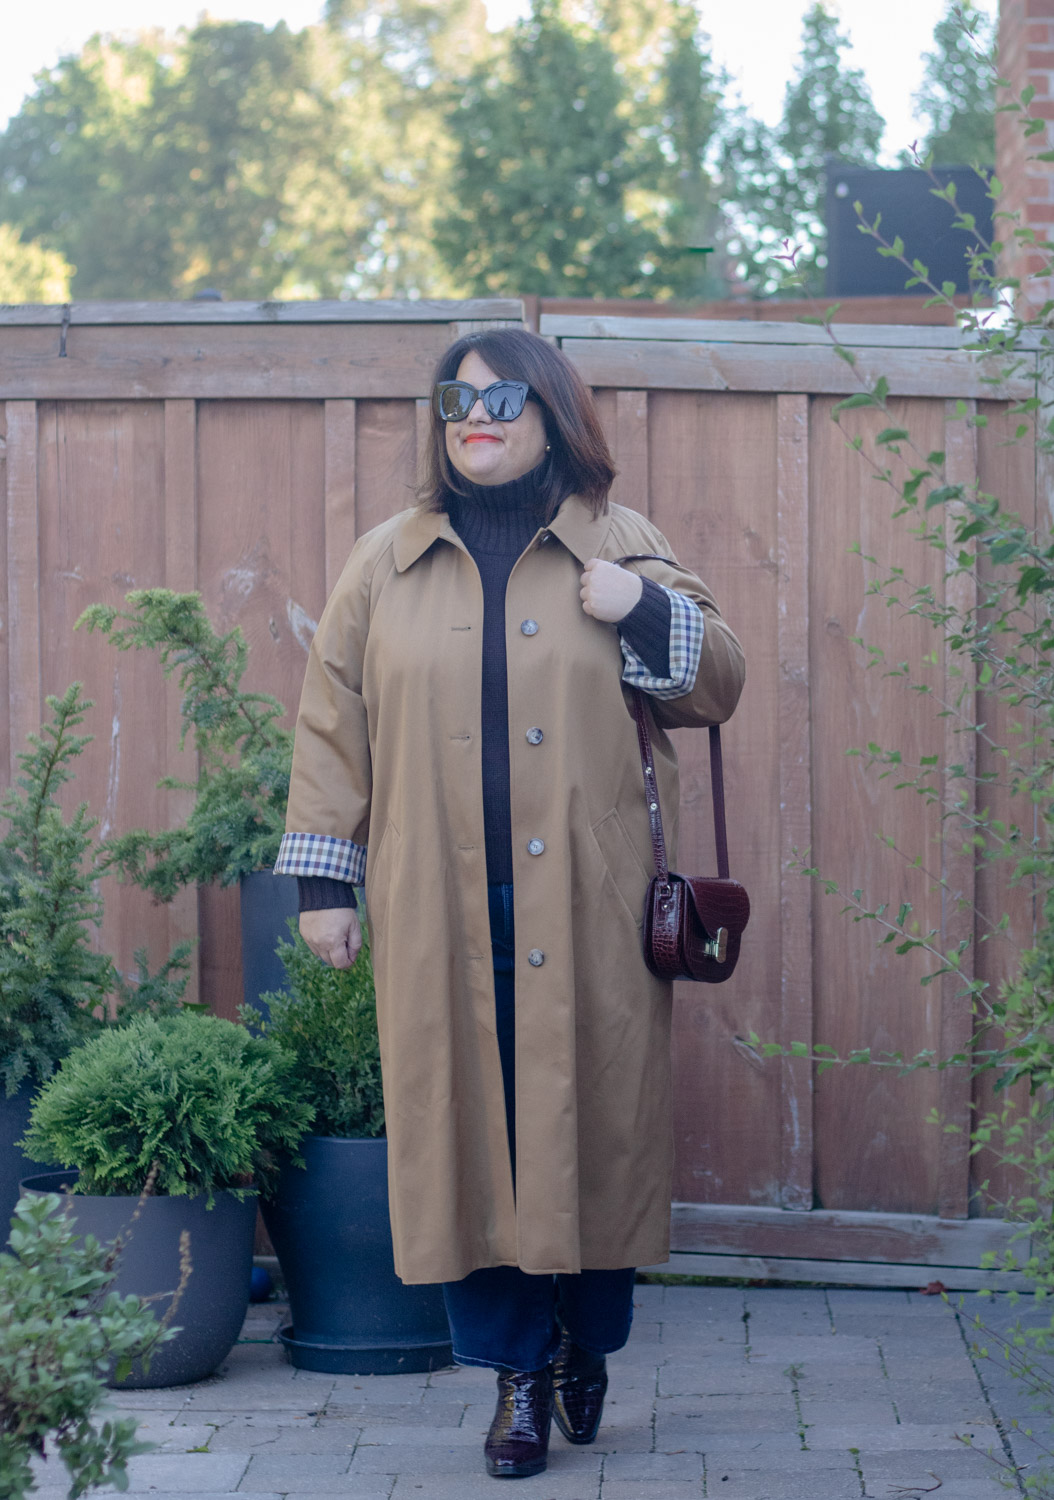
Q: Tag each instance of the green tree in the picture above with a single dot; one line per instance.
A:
(580, 167)
(29, 272)
(776, 179)
(957, 96)
(268, 163)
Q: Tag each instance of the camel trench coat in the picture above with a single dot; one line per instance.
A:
(387, 755)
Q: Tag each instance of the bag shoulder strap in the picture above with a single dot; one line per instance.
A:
(717, 775)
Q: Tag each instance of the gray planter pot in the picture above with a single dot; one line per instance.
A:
(212, 1309)
(14, 1163)
(328, 1222)
(267, 903)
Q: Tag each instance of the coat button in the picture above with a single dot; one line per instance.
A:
(535, 736)
(536, 846)
(529, 627)
(536, 958)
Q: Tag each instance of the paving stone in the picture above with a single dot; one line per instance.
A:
(808, 1461)
(848, 1413)
(552, 1485)
(653, 1466)
(853, 1299)
(192, 1473)
(725, 1433)
(777, 1484)
(435, 1458)
(435, 1414)
(677, 1378)
(908, 1466)
(298, 1473)
(636, 1489)
(805, 1349)
(937, 1436)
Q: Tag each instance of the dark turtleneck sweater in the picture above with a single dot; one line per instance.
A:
(496, 524)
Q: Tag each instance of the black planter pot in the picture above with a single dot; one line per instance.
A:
(212, 1309)
(328, 1222)
(14, 1163)
(268, 901)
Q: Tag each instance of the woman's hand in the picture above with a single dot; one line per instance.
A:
(333, 935)
(608, 591)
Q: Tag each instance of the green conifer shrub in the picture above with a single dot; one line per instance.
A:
(328, 1025)
(198, 1100)
(244, 754)
(54, 987)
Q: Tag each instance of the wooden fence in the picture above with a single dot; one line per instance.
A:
(240, 449)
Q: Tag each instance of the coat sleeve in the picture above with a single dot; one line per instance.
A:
(328, 814)
(719, 676)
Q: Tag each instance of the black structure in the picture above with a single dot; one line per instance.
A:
(909, 209)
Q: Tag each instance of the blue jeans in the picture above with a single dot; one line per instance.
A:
(503, 1316)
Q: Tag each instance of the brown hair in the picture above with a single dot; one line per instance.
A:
(579, 461)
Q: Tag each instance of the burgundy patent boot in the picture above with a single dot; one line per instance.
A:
(580, 1380)
(517, 1444)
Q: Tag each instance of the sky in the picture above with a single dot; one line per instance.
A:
(888, 42)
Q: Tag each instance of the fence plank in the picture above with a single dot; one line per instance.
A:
(957, 861)
(23, 576)
(795, 797)
(748, 331)
(873, 1148)
(261, 505)
(316, 361)
(340, 487)
(650, 364)
(631, 450)
(713, 495)
(483, 310)
(181, 575)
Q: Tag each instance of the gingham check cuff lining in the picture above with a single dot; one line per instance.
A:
(319, 854)
(686, 643)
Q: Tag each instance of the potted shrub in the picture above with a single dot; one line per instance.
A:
(189, 1114)
(328, 1216)
(63, 1329)
(55, 990)
(244, 754)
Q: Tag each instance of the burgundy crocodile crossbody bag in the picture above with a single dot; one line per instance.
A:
(692, 923)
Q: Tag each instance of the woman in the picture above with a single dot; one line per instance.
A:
(466, 714)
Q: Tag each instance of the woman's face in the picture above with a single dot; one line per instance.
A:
(485, 450)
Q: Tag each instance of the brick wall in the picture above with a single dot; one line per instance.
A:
(1026, 56)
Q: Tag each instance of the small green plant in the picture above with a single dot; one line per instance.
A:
(192, 1098)
(62, 1330)
(54, 988)
(244, 754)
(328, 1025)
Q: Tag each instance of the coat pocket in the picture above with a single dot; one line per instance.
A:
(379, 862)
(624, 865)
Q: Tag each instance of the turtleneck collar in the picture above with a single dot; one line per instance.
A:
(498, 517)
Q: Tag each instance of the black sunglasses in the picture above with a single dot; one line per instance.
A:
(504, 400)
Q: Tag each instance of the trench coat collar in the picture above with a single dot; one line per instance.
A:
(574, 524)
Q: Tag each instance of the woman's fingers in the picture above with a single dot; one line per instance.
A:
(608, 592)
(333, 935)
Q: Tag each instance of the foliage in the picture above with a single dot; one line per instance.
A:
(777, 178)
(244, 754)
(61, 1329)
(29, 272)
(581, 148)
(993, 793)
(192, 1098)
(52, 983)
(334, 160)
(958, 89)
(268, 163)
(328, 1022)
